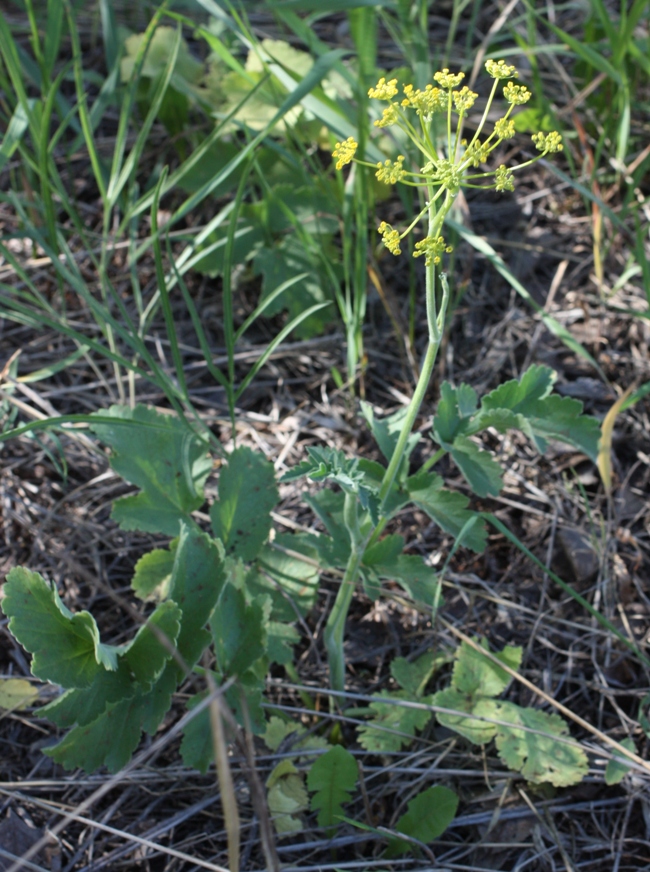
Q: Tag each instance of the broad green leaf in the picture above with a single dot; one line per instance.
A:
(287, 797)
(153, 573)
(427, 817)
(159, 51)
(108, 741)
(618, 767)
(385, 551)
(238, 630)
(520, 395)
(197, 747)
(162, 456)
(477, 731)
(153, 645)
(393, 725)
(66, 647)
(447, 423)
(278, 731)
(448, 509)
(386, 432)
(475, 674)
(482, 472)
(245, 698)
(280, 641)
(539, 756)
(413, 676)
(241, 517)
(291, 583)
(332, 778)
(17, 694)
(333, 550)
(412, 574)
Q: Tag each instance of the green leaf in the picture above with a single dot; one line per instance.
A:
(280, 641)
(477, 731)
(153, 573)
(413, 676)
(412, 574)
(17, 693)
(197, 747)
(427, 817)
(66, 647)
(153, 645)
(241, 517)
(108, 741)
(539, 756)
(279, 572)
(239, 632)
(482, 472)
(448, 509)
(618, 767)
(161, 455)
(473, 673)
(521, 395)
(332, 778)
(287, 797)
(393, 725)
(387, 431)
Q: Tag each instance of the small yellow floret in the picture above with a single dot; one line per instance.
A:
(432, 247)
(448, 80)
(424, 102)
(478, 153)
(504, 178)
(504, 128)
(516, 94)
(390, 173)
(384, 90)
(464, 99)
(345, 151)
(389, 116)
(390, 238)
(501, 70)
(550, 143)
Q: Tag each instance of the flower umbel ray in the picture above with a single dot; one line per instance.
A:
(445, 170)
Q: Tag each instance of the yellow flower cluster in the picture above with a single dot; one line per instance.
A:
(424, 102)
(516, 94)
(389, 116)
(504, 178)
(390, 237)
(478, 153)
(345, 151)
(464, 99)
(550, 143)
(448, 80)
(501, 70)
(384, 90)
(504, 128)
(390, 173)
(432, 248)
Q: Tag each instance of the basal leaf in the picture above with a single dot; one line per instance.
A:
(475, 674)
(477, 731)
(332, 778)
(153, 573)
(17, 693)
(280, 641)
(618, 767)
(241, 517)
(539, 756)
(162, 456)
(153, 645)
(482, 472)
(419, 580)
(239, 632)
(197, 747)
(448, 509)
(427, 817)
(287, 797)
(521, 395)
(66, 647)
(393, 725)
(413, 675)
(291, 583)
(108, 741)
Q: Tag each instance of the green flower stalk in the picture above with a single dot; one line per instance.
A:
(445, 169)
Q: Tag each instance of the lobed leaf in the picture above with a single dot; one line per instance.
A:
(393, 726)
(448, 509)
(161, 455)
(332, 778)
(427, 817)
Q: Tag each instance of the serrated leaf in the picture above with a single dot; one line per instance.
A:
(153, 573)
(473, 673)
(332, 778)
(419, 580)
(108, 741)
(539, 756)
(66, 648)
(387, 431)
(448, 509)
(287, 797)
(393, 726)
(241, 517)
(427, 817)
(197, 746)
(280, 641)
(239, 632)
(477, 731)
(153, 645)
(386, 551)
(618, 767)
(17, 694)
(163, 457)
(521, 395)
(413, 676)
(482, 472)
(291, 583)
